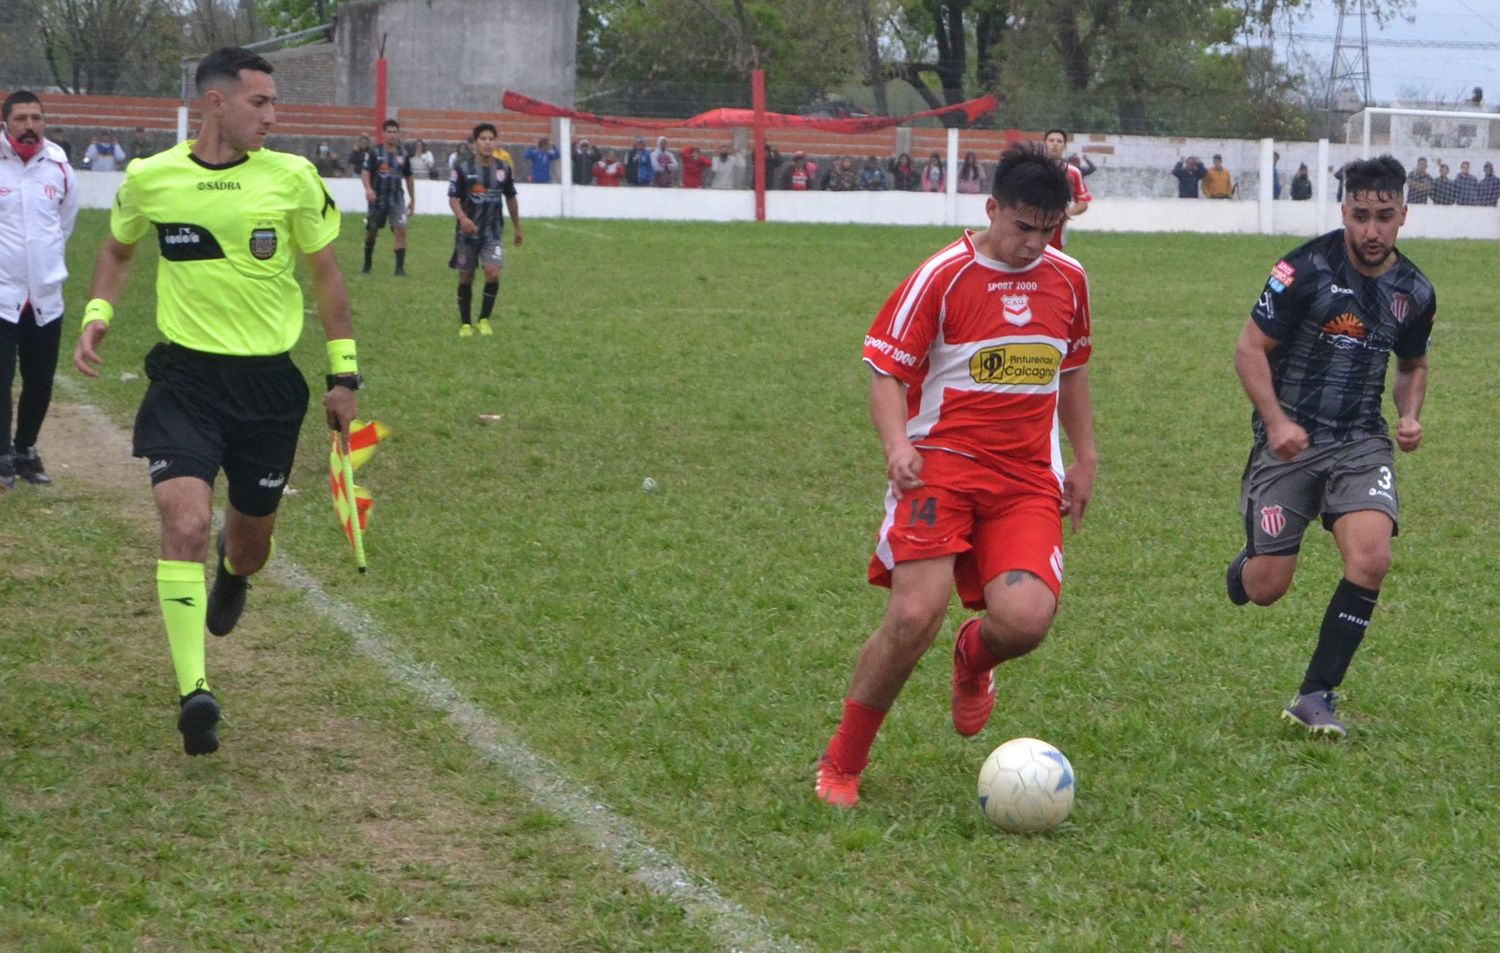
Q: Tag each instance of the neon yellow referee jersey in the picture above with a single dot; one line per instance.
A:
(229, 237)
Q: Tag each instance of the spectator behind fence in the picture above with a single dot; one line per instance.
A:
(773, 160)
(638, 163)
(608, 171)
(541, 156)
(462, 152)
(664, 165)
(872, 176)
(106, 155)
(799, 174)
(584, 157)
(1466, 185)
(1489, 186)
(358, 155)
(726, 167)
(1301, 184)
(843, 177)
(1083, 164)
(140, 146)
(1444, 190)
(1275, 175)
(694, 163)
(904, 175)
(1217, 182)
(423, 165)
(932, 174)
(325, 161)
(1189, 173)
(1419, 184)
(970, 175)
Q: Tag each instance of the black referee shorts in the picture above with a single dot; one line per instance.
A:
(207, 412)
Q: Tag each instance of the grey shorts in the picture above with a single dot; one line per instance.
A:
(469, 254)
(1279, 498)
(391, 213)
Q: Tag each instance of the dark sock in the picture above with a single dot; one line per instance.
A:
(487, 303)
(400, 259)
(465, 302)
(369, 251)
(1343, 629)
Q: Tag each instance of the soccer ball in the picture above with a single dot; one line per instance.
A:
(1026, 786)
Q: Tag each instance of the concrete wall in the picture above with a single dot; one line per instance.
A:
(305, 74)
(1299, 219)
(457, 54)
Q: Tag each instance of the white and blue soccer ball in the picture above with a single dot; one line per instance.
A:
(1026, 786)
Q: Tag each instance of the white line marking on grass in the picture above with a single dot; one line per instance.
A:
(551, 789)
(549, 786)
(569, 228)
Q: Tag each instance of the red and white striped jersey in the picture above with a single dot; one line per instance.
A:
(981, 347)
(1080, 194)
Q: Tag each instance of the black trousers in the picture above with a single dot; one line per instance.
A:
(35, 349)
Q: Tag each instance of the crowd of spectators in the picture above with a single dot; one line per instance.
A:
(1422, 188)
(692, 167)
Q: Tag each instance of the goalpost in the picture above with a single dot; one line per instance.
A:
(1427, 130)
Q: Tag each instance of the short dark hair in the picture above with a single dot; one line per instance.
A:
(1028, 176)
(485, 126)
(15, 99)
(1060, 132)
(390, 124)
(1384, 175)
(226, 63)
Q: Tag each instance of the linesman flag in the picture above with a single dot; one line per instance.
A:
(352, 503)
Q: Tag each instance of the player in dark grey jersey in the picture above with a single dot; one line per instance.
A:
(1313, 359)
(387, 169)
(476, 189)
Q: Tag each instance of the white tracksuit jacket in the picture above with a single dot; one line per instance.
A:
(38, 206)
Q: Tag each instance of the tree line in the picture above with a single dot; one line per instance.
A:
(1184, 67)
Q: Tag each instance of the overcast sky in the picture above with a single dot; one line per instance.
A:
(1445, 73)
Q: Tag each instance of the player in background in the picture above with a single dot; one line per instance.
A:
(976, 357)
(1056, 142)
(387, 168)
(475, 189)
(230, 218)
(1313, 358)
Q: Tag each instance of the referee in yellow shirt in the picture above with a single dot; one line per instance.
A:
(229, 217)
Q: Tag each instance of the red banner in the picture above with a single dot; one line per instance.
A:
(971, 110)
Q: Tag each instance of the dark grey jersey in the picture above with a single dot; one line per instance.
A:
(1335, 331)
(481, 191)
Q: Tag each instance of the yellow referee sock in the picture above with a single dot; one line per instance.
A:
(184, 603)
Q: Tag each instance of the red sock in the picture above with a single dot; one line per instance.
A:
(850, 748)
(972, 653)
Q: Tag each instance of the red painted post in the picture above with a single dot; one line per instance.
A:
(380, 83)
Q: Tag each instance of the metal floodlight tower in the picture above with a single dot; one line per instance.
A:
(1349, 76)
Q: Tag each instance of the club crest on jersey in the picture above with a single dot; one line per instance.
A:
(1400, 306)
(1282, 275)
(1272, 522)
(1017, 309)
(263, 243)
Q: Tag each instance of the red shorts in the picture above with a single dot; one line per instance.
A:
(992, 522)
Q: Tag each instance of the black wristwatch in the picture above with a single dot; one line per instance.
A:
(351, 381)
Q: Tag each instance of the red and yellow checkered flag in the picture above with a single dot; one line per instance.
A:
(352, 503)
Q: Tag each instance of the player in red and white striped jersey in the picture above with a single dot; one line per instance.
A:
(1056, 142)
(977, 358)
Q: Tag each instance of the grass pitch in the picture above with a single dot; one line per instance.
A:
(684, 652)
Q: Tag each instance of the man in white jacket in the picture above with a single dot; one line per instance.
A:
(38, 206)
